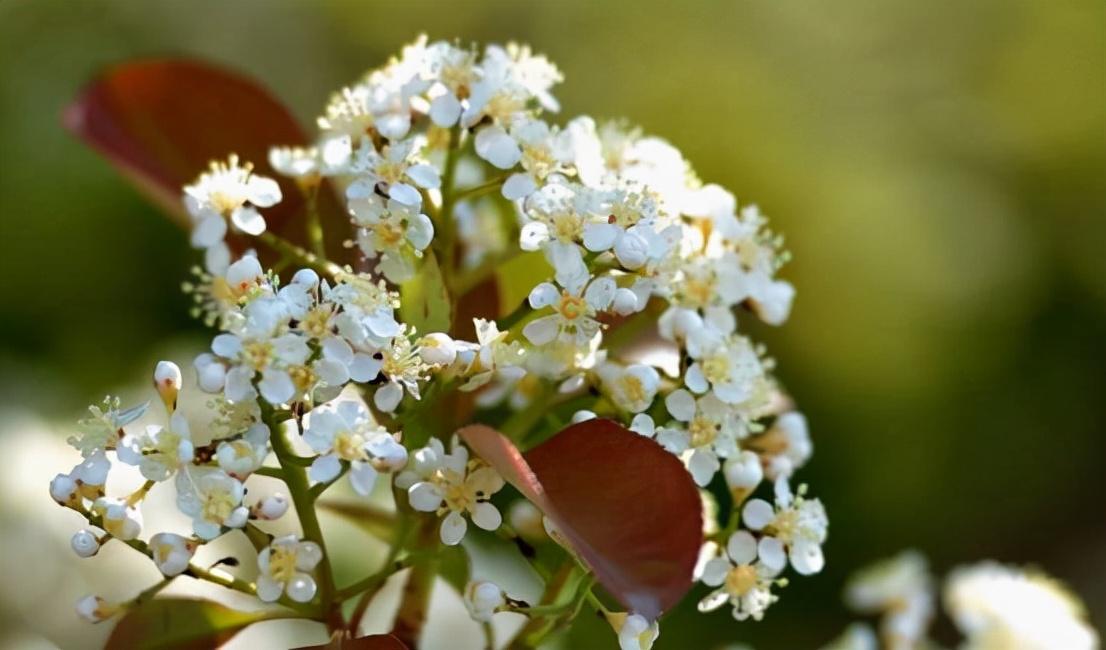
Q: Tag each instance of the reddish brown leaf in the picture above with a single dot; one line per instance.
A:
(161, 121)
(627, 507)
(179, 624)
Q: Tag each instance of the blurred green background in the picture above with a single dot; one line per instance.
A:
(938, 168)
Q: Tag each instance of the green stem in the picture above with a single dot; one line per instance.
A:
(301, 256)
(313, 223)
(416, 592)
(295, 478)
(446, 224)
(482, 188)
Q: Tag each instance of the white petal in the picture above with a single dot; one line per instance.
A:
(405, 194)
(772, 554)
(742, 547)
(388, 397)
(542, 330)
(544, 295)
(533, 235)
(519, 186)
(424, 176)
(445, 109)
(248, 220)
(263, 192)
(703, 465)
(486, 516)
(757, 514)
(713, 601)
(600, 293)
(301, 588)
(209, 231)
(806, 557)
(600, 236)
(695, 380)
(364, 368)
(714, 571)
(424, 497)
(276, 386)
(362, 477)
(494, 145)
(268, 590)
(681, 405)
(325, 468)
(453, 529)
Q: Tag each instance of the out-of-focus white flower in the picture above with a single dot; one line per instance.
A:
(84, 543)
(900, 589)
(857, 636)
(998, 606)
(213, 499)
(526, 520)
(100, 430)
(451, 484)
(797, 524)
(344, 432)
(227, 193)
(437, 349)
(786, 445)
(743, 579)
(482, 598)
(171, 553)
(284, 568)
(743, 474)
(634, 631)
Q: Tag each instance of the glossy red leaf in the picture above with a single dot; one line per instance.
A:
(161, 121)
(627, 507)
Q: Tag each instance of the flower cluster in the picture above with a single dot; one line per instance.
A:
(448, 173)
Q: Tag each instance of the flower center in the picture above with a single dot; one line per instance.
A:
(217, 506)
(259, 354)
(316, 323)
(282, 564)
(303, 377)
(741, 580)
(566, 227)
(703, 431)
(571, 307)
(716, 368)
(349, 445)
(633, 388)
(699, 291)
(389, 233)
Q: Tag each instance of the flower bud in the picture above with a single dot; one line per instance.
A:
(272, 507)
(95, 609)
(210, 373)
(482, 598)
(118, 518)
(167, 381)
(171, 553)
(743, 474)
(625, 302)
(634, 632)
(526, 519)
(84, 543)
(306, 277)
(63, 489)
(437, 349)
(583, 416)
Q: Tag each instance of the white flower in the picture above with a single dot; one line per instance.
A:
(295, 162)
(998, 606)
(344, 432)
(901, 589)
(402, 368)
(213, 499)
(227, 192)
(574, 309)
(492, 355)
(158, 452)
(63, 489)
(798, 525)
(482, 598)
(634, 631)
(171, 553)
(283, 569)
(729, 367)
(632, 387)
(167, 381)
(787, 444)
(261, 349)
(437, 349)
(85, 543)
(245, 455)
(396, 231)
(396, 171)
(453, 485)
(100, 431)
(743, 579)
(118, 517)
(95, 609)
(712, 430)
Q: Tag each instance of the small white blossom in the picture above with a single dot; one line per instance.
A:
(284, 568)
(271, 507)
(634, 631)
(158, 452)
(213, 499)
(574, 309)
(743, 580)
(796, 523)
(95, 609)
(710, 431)
(632, 387)
(344, 432)
(451, 484)
(118, 517)
(245, 455)
(84, 543)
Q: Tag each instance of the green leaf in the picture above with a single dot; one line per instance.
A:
(181, 624)
(424, 300)
(517, 276)
(371, 642)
